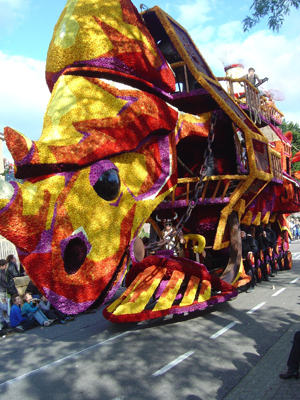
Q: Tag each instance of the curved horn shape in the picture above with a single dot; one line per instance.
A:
(18, 144)
(176, 216)
(157, 219)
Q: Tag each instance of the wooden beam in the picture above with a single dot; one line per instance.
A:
(216, 190)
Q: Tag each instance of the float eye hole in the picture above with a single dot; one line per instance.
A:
(108, 185)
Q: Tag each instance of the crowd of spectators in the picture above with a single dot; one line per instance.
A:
(24, 311)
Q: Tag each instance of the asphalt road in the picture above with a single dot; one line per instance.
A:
(197, 356)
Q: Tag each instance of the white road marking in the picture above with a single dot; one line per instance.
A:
(173, 363)
(295, 280)
(256, 308)
(223, 330)
(278, 292)
(296, 256)
(18, 378)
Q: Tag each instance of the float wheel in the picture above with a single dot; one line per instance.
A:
(281, 263)
(268, 268)
(288, 262)
(258, 275)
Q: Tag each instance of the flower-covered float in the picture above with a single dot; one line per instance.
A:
(123, 141)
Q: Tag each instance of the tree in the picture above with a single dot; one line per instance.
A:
(276, 10)
(295, 129)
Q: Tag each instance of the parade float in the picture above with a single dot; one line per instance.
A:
(138, 129)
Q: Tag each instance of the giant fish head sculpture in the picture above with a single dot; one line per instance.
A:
(106, 157)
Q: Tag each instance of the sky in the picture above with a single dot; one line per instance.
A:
(26, 28)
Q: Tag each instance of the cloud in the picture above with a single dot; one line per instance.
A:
(195, 13)
(13, 13)
(229, 31)
(202, 35)
(24, 95)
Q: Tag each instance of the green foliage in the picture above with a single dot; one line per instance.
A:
(276, 10)
(295, 129)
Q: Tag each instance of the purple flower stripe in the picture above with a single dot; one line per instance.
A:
(67, 175)
(161, 288)
(44, 245)
(164, 253)
(21, 252)
(196, 92)
(115, 287)
(65, 305)
(164, 65)
(98, 168)
(16, 187)
(113, 64)
(198, 306)
(80, 235)
(117, 202)
(130, 100)
(182, 203)
(28, 157)
(85, 136)
(178, 133)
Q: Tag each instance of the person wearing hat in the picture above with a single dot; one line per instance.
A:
(176, 241)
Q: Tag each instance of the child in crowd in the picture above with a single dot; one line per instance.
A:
(45, 305)
(31, 311)
(18, 322)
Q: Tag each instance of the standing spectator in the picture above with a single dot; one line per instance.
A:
(292, 224)
(11, 273)
(297, 230)
(3, 308)
(294, 359)
(3, 282)
(3, 288)
(18, 322)
(31, 311)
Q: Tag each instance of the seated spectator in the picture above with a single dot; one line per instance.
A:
(54, 314)
(18, 322)
(31, 311)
